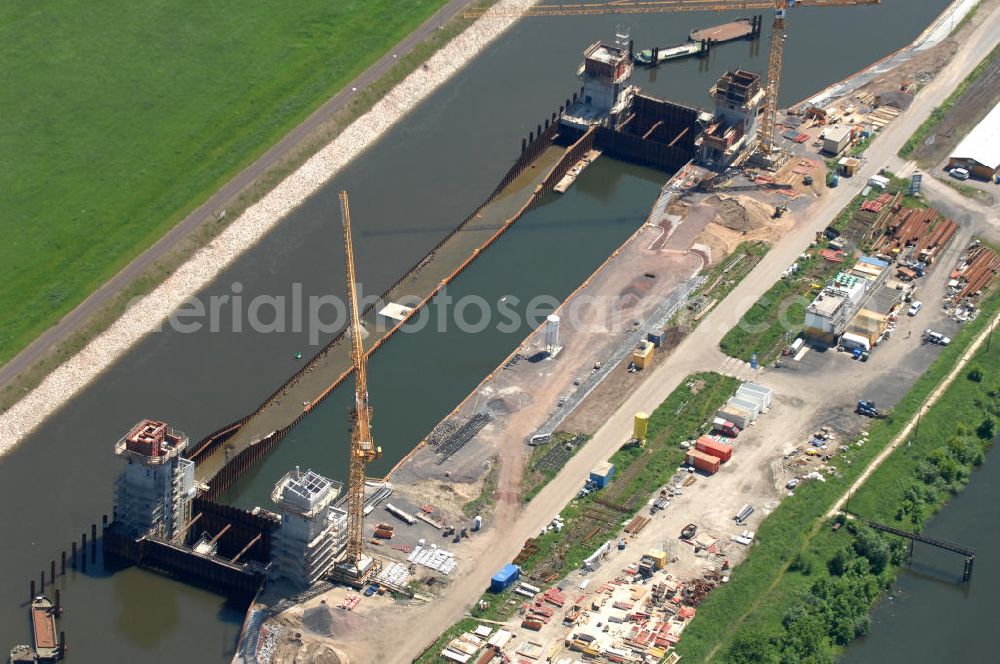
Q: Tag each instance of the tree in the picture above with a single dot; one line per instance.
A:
(750, 647)
(986, 430)
(838, 564)
(869, 545)
(976, 374)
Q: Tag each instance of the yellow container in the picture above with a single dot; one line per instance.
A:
(642, 357)
(659, 556)
(641, 426)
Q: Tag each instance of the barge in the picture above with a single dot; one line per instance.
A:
(43, 626)
(654, 56)
(741, 28)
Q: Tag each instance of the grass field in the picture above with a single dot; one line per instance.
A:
(792, 549)
(120, 118)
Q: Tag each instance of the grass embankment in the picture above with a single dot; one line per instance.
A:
(930, 125)
(778, 316)
(720, 281)
(486, 500)
(119, 122)
(782, 599)
(638, 473)
(547, 460)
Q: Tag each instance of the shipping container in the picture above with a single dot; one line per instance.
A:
(751, 406)
(659, 556)
(712, 447)
(534, 625)
(767, 394)
(602, 473)
(737, 416)
(703, 462)
(504, 578)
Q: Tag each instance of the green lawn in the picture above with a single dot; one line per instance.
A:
(119, 118)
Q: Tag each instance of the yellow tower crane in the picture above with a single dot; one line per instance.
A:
(765, 133)
(363, 449)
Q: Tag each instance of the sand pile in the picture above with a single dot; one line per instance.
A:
(740, 213)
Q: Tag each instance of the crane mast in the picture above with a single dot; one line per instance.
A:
(766, 138)
(363, 450)
(766, 135)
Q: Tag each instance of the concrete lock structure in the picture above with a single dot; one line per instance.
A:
(312, 532)
(153, 494)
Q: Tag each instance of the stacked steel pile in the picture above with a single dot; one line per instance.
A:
(980, 267)
(924, 232)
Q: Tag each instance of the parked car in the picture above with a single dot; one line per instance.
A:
(791, 484)
(915, 308)
(932, 337)
(959, 173)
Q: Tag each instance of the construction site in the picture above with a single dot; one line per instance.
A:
(623, 547)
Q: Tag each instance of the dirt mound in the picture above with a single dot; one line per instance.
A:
(740, 213)
(319, 620)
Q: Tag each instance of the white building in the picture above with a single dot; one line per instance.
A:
(313, 532)
(153, 494)
(830, 313)
(979, 152)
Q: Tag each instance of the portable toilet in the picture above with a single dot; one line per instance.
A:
(640, 426)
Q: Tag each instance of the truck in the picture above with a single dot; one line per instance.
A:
(725, 428)
(689, 531)
(868, 409)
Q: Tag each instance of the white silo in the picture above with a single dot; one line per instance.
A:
(552, 332)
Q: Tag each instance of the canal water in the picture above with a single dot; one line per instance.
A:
(407, 192)
(416, 379)
(931, 616)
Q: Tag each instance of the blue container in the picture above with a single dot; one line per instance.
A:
(505, 578)
(602, 474)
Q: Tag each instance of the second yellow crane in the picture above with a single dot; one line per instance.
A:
(363, 450)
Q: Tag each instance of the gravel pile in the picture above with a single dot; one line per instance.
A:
(146, 315)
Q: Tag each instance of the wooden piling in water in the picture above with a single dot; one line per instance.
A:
(62, 566)
(32, 596)
(52, 570)
(72, 555)
(93, 542)
(42, 579)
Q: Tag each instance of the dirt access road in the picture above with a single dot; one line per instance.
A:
(207, 211)
(697, 352)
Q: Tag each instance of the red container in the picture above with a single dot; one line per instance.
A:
(531, 624)
(714, 448)
(703, 462)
